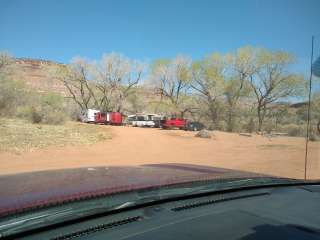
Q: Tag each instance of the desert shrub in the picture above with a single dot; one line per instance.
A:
(250, 126)
(293, 130)
(47, 109)
(314, 134)
(235, 126)
(50, 116)
(314, 137)
(30, 113)
(23, 112)
(12, 95)
(16, 100)
(35, 116)
(50, 109)
(296, 130)
(72, 110)
(46, 115)
(222, 126)
(269, 126)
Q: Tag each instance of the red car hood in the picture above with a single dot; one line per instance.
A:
(27, 190)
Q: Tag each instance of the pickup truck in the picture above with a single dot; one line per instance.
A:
(174, 123)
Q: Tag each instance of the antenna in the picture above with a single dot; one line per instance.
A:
(309, 106)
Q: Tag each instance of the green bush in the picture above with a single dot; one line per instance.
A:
(47, 109)
(54, 117)
(46, 116)
(23, 112)
(52, 108)
(12, 95)
(72, 110)
(19, 101)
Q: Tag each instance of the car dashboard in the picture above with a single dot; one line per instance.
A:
(265, 213)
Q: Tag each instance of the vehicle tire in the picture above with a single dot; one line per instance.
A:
(195, 129)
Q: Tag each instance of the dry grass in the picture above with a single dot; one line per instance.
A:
(19, 136)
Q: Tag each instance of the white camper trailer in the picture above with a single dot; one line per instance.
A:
(143, 120)
(88, 116)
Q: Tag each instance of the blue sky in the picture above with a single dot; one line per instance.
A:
(148, 29)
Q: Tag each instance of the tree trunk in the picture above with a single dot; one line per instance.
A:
(261, 110)
(230, 120)
(214, 117)
(260, 119)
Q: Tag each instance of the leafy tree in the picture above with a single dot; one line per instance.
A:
(208, 81)
(242, 66)
(272, 82)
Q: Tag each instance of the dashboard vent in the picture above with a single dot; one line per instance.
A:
(213, 201)
(97, 228)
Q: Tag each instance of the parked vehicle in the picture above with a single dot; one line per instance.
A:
(101, 118)
(88, 116)
(174, 123)
(194, 126)
(131, 119)
(115, 118)
(98, 117)
(139, 121)
(158, 121)
(145, 120)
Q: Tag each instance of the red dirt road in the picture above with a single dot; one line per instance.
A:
(280, 156)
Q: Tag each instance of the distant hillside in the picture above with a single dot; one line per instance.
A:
(36, 74)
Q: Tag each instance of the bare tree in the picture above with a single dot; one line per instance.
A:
(76, 79)
(104, 85)
(116, 76)
(171, 79)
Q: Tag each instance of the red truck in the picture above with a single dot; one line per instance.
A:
(115, 118)
(112, 118)
(174, 123)
(101, 118)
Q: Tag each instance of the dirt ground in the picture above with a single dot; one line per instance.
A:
(280, 156)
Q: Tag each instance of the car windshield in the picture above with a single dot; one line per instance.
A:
(99, 98)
